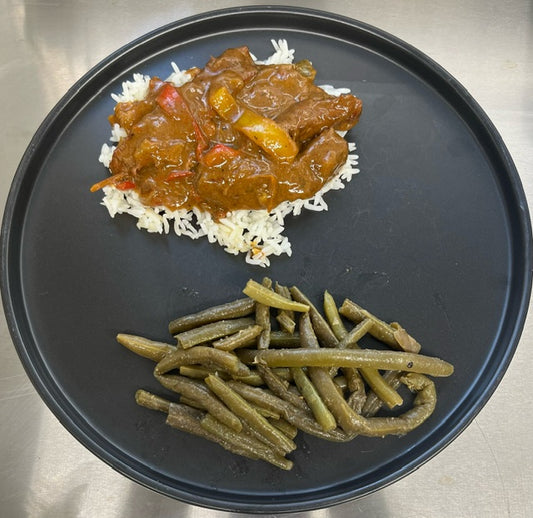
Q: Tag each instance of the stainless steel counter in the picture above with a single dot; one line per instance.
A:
(45, 46)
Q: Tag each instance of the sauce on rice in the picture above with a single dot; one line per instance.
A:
(237, 136)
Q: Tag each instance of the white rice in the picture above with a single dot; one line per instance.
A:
(256, 233)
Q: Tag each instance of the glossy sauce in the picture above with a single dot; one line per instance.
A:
(179, 153)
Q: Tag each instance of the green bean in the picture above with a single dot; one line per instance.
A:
(302, 420)
(356, 400)
(242, 338)
(348, 420)
(151, 401)
(212, 331)
(423, 407)
(262, 318)
(380, 330)
(280, 388)
(389, 360)
(283, 339)
(323, 416)
(266, 296)
(373, 402)
(286, 322)
(333, 317)
(360, 330)
(321, 328)
(254, 447)
(144, 347)
(192, 403)
(195, 371)
(186, 419)
(406, 341)
(206, 356)
(285, 427)
(284, 317)
(242, 409)
(372, 376)
(199, 392)
(199, 372)
(235, 309)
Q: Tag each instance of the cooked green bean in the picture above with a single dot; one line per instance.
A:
(212, 331)
(242, 338)
(302, 420)
(423, 407)
(235, 309)
(406, 341)
(279, 387)
(373, 402)
(270, 298)
(351, 338)
(323, 416)
(348, 420)
(380, 330)
(195, 371)
(284, 339)
(253, 446)
(242, 409)
(286, 322)
(250, 388)
(389, 360)
(333, 317)
(202, 355)
(144, 347)
(181, 418)
(321, 328)
(371, 376)
(197, 391)
(284, 426)
(285, 317)
(262, 318)
(151, 401)
(356, 399)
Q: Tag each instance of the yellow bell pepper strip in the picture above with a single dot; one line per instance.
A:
(265, 132)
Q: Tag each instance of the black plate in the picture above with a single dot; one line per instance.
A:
(434, 232)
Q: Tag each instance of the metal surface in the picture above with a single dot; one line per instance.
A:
(47, 46)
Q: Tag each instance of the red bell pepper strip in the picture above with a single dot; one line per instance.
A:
(171, 101)
(110, 180)
(219, 154)
(176, 175)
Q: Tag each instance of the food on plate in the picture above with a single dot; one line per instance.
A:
(229, 150)
(254, 395)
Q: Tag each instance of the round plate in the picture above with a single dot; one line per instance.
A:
(434, 233)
